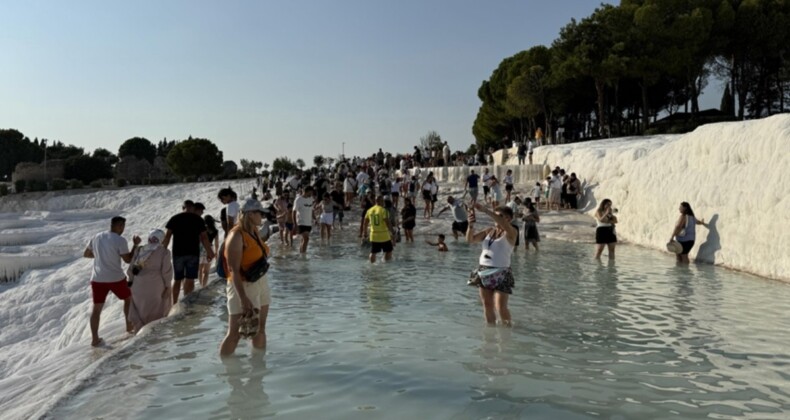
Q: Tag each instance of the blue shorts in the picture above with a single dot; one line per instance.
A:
(186, 267)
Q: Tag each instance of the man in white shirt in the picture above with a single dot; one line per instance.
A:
(460, 222)
(303, 216)
(486, 184)
(446, 154)
(107, 250)
(530, 147)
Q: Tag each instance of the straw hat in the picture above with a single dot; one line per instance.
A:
(674, 247)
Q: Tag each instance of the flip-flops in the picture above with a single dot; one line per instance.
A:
(248, 324)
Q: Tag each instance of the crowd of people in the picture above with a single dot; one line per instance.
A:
(294, 203)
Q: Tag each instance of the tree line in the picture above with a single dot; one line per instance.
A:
(615, 70)
(192, 157)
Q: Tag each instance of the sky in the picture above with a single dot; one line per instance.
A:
(264, 79)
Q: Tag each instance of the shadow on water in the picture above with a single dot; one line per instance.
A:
(707, 251)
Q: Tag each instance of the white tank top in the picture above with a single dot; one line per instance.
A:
(496, 252)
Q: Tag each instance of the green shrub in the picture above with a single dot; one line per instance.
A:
(190, 178)
(19, 186)
(37, 186)
(76, 184)
(3, 190)
(97, 184)
(120, 182)
(59, 184)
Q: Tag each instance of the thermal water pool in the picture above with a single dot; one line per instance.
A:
(636, 338)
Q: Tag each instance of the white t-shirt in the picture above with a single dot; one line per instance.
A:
(536, 191)
(395, 187)
(362, 178)
(530, 146)
(513, 206)
(107, 248)
(232, 210)
(556, 182)
(508, 179)
(349, 185)
(486, 179)
(304, 210)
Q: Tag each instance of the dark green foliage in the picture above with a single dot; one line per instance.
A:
(16, 148)
(190, 178)
(105, 154)
(20, 185)
(3, 190)
(76, 184)
(138, 147)
(58, 184)
(35, 186)
(283, 164)
(163, 147)
(617, 69)
(97, 184)
(87, 169)
(120, 182)
(195, 157)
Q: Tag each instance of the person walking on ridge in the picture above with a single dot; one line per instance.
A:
(107, 250)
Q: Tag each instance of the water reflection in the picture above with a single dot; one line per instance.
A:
(247, 398)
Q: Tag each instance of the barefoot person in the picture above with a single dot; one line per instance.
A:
(604, 231)
(381, 232)
(408, 217)
(107, 250)
(188, 231)
(493, 276)
(440, 245)
(303, 215)
(685, 231)
(247, 289)
(460, 223)
(150, 274)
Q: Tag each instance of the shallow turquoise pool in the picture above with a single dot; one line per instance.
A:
(637, 338)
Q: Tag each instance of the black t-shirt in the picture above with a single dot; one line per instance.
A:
(472, 180)
(408, 212)
(186, 228)
(337, 197)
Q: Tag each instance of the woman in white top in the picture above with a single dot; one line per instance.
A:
(604, 231)
(395, 191)
(494, 277)
(427, 196)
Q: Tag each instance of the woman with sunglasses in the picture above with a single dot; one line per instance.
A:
(493, 277)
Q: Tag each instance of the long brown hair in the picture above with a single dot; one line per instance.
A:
(602, 205)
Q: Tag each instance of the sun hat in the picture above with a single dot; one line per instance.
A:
(674, 247)
(250, 205)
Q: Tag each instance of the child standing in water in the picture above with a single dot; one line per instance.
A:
(327, 218)
(441, 246)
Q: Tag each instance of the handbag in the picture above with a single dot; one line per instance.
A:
(488, 278)
(259, 268)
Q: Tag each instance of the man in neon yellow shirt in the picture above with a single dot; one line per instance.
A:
(377, 217)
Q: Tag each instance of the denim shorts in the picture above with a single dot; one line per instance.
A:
(186, 267)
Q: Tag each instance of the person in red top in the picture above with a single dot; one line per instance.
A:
(248, 298)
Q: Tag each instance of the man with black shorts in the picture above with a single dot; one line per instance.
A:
(471, 185)
(188, 231)
(486, 184)
(107, 250)
(460, 218)
(381, 231)
(303, 216)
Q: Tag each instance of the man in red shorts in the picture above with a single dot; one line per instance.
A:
(107, 249)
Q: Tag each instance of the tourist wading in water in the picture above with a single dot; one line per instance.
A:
(493, 277)
(604, 231)
(247, 288)
(107, 250)
(685, 231)
(382, 237)
(149, 274)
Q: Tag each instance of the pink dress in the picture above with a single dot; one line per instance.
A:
(151, 296)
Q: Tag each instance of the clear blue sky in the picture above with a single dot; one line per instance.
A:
(263, 79)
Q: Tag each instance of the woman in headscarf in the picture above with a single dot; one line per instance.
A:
(150, 274)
